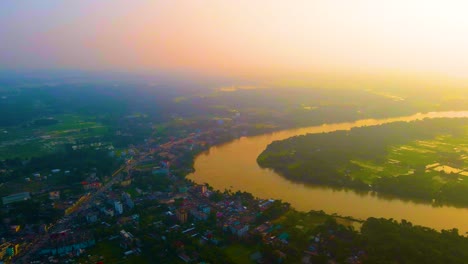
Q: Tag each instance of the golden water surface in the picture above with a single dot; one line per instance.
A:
(233, 166)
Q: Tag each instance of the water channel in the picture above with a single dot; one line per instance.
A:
(233, 166)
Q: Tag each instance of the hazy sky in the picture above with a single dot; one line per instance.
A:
(241, 37)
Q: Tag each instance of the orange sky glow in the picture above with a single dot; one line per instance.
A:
(242, 38)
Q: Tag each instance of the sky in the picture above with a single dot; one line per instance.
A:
(263, 38)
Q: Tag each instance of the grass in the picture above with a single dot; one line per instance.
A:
(69, 122)
(239, 253)
(132, 192)
(25, 149)
(308, 221)
(108, 250)
(28, 141)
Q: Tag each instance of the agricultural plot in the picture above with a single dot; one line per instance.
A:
(430, 156)
(31, 140)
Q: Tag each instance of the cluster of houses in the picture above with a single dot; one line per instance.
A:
(68, 242)
(109, 205)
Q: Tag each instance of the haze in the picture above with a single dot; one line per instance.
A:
(238, 38)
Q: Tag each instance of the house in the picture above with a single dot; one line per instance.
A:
(205, 209)
(126, 240)
(239, 229)
(136, 217)
(108, 211)
(202, 189)
(182, 215)
(128, 200)
(126, 182)
(43, 228)
(263, 227)
(198, 215)
(184, 257)
(91, 185)
(265, 205)
(67, 242)
(54, 195)
(15, 228)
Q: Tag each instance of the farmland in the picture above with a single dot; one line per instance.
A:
(29, 140)
(439, 156)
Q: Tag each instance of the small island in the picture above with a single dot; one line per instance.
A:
(421, 160)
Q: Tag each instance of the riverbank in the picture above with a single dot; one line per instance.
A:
(401, 159)
(233, 166)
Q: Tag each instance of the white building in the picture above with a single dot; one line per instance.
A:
(118, 207)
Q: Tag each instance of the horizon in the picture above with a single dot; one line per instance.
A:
(326, 43)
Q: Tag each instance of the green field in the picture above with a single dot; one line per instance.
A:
(444, 150)
(28, 140)
(110, 252)
(240, 254)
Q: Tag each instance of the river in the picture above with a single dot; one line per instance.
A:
(233, 166)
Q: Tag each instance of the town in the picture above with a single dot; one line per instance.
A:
(147, 204)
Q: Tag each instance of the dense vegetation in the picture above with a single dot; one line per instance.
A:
(388, 241)
(403, 159)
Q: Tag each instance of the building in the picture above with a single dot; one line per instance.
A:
(3, 249)
(236, 227)
(126, 182)
(17, 197)
(128, 200)
(240, 230)
(198, 215)
(107, 211)
(201, 189)
(43, 228)
(91, 185)
(67, 242)
(118, 207)
(182, 215)
(15, 228)
(12, 250)
(54, 195)
(91, 218)
(126, 239)
(205, 208)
